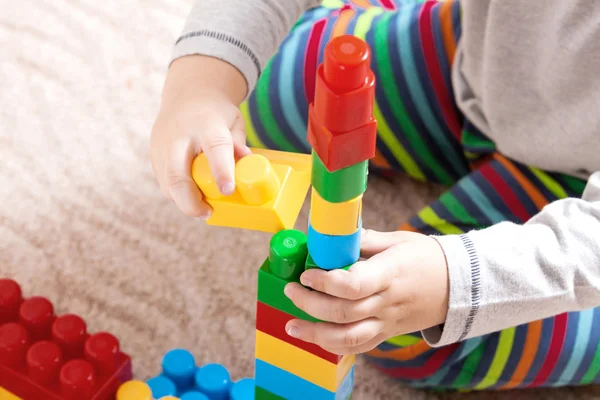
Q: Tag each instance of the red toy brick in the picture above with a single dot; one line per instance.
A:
(272, 322)
(54, 358)
(341, 128)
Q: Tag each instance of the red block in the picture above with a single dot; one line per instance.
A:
(342, 129)
(43, 356)
(272, 322)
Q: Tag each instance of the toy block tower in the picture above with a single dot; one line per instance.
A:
(342, 132)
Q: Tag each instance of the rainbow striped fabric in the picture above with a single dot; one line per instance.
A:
(422, 133)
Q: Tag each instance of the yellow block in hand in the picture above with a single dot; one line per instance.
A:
(270, 189)
(339, 219)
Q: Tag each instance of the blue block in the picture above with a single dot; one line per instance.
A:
(179, 366)
(214, 381)
(291, 387)
(162, 386)
(333, 252)
(193, 396)
(242, 390)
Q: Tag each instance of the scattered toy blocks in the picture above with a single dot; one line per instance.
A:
(44, 356)
(182, 379)
(270, 189)
(341, 127)
(341, 185)
(335, 218)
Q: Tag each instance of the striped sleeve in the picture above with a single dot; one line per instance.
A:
(243, 33)
(508, 274)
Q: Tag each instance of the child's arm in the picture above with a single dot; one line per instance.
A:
(521, 273)
(223, 48)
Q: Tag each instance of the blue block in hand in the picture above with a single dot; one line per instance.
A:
(333, 252)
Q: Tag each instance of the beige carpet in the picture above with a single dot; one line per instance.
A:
(81, 218)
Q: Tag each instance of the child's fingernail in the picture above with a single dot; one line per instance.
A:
(228, 188)
(287, 291)
(305, 281)
(293, 331)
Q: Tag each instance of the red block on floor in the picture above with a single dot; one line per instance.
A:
(272, 321)
(341, 126)
(43, 356)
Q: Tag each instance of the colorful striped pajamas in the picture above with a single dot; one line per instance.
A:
(422, 133)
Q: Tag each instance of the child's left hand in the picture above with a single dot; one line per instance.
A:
(401, 288)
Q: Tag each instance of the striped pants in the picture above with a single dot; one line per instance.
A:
(422, 133)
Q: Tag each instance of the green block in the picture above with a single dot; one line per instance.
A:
(262, 394)
(310, 264)
(287, 255)
(270, 292)
(341, 185)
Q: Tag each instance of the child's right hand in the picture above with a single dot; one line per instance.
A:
(199, 113)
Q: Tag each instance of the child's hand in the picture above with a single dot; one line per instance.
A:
(402, 288)
(198, 113)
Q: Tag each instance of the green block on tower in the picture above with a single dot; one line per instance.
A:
(341, 185)
(262, 394)
(310, 264)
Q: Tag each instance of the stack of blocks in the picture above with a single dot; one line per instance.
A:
(342, 133)
(49, 357)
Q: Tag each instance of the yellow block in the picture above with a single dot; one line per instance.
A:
(270, 189)
(6, 395)
(302, 363)
(335, 218)
(134, 390)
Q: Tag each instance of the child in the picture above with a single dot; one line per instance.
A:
(500, 100)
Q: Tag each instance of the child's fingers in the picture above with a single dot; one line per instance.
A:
(217, 145)
(374, 242)
(182, 189)
(333, 309)
(238, 133)
(335, 337)
(364, 279)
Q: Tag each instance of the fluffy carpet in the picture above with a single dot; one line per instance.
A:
(82, 220)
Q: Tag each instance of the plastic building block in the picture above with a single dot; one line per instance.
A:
(291, 387)
(182, 379)
(262, 394)
(272, 322)
(6, 395)
(287, 254)
(346, 249)
(270, 292)
(338, 219)
(341, 126)
(44, 356)
(270, 189)
(242, 390)
(310, 264)
(341, 185)
(302, 363)
(134, 390)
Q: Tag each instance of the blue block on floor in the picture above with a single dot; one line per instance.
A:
(179, 366)
(193, 396)
(242, 390)
(291, 387)
(333, 252)
(214, 380)
(162, 386)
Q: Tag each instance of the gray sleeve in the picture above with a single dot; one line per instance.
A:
(510, 274)
(243, 33)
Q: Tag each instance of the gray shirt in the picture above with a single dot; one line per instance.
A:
(526, 75)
